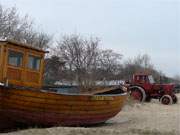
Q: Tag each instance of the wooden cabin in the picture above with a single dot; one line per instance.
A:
(21, 64)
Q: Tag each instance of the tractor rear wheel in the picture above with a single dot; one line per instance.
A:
(166, 100)
(175, 99)
(137, 93)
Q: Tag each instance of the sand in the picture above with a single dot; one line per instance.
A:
(135, 119)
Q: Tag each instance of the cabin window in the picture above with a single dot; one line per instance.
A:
(15, 58)
(34, 62)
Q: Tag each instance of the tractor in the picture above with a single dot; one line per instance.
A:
(142, 87)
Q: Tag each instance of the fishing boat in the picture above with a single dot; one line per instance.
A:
(23, 99)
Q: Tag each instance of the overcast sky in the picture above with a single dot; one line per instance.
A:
(130, 27)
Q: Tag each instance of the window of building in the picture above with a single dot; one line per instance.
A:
(34, 62)
(15, 58)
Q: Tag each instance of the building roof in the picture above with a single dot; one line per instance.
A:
(16, 43)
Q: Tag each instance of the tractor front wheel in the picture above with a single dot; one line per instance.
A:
(175, 99)
(166, 100)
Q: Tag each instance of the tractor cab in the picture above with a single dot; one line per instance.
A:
(143, 78)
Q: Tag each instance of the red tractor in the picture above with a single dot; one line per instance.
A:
(143, 88)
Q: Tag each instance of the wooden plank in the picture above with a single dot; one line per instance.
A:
(58, 107)
(60, 111)
(56, 119)
(78, 101)
(55, 96)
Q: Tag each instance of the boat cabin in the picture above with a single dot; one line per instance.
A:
(21, 64)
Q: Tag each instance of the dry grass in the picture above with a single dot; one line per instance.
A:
(150, 132)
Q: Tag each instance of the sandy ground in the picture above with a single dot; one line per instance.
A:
(135, 119)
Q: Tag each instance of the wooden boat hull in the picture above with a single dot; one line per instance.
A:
(52, 109)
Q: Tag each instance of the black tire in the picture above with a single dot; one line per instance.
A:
(166, 100)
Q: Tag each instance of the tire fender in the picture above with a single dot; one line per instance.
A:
(142, 91)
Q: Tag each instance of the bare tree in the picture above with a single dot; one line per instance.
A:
(80, 56)
(109, 63)
(54, 70)
(177, 78)
(85, 61)
(141, 63)
(12, 26)
(144, 61)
